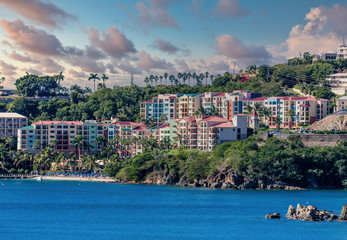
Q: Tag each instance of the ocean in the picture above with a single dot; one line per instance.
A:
(31, 210)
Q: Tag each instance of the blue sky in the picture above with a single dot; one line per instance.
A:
(146, 37)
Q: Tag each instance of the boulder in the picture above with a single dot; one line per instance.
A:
(273, 216)
(343, 215)
(291, 214)
(216, 185)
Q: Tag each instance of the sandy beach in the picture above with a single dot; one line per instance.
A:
(82, 179)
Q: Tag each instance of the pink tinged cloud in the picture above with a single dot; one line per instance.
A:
(48, 65)
(43, 13)
(147, 62)
(31, 39)
(156, 14)
(233, 48)
(113, 42)
(7, 69)
(18, 57)
(230, 9)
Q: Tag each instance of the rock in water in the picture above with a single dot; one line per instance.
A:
(291, 212)
(273, 216)
(343, 215)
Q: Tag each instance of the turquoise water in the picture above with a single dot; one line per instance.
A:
(31, 210)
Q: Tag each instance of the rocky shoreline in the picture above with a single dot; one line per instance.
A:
(224, 179)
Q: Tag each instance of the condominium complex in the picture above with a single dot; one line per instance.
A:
(293, 111)
(341, 53)
(338, 83)
(185, 105)
(205, 132)
(10, 123)
(64, 132)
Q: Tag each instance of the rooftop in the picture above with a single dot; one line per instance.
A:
(342, 98)
(11, 115)
(58, 122)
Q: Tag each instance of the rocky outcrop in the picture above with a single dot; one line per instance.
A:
(273, 216)
(311, 213)
(343, 215)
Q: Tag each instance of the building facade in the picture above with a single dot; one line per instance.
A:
(341, 103)
(338, 83)
(10, 123)
(60, 135)
(205, 132)
(292, 111)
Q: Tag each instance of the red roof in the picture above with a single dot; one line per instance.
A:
(287, 98)
(140, 128)
(58, 122)
(220, 95)
(150, 101)
(304, 105)
(127, 123)
(213, 119)
(224, 125)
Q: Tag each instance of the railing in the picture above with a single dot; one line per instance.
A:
(16, 176)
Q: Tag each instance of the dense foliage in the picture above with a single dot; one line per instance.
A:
(275, 160)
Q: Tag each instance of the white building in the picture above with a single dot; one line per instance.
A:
(342, 52)
(338, 83)
(10, 123)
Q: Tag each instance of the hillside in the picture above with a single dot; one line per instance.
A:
(335, 121)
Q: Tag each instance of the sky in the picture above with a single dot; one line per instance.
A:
(150, 37)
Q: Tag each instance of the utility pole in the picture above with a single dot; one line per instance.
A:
(132, 79)
(234, 70)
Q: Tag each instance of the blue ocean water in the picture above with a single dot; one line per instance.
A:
(31, 210)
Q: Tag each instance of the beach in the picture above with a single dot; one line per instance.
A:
(75, 178)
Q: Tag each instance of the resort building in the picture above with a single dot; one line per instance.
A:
(341, 103)
(188, 104)
(185, 105)
(205, 132)
(338, 83)
(292, 111)
(158, 106)
(233, 102)
(10, 123)
(60, 135)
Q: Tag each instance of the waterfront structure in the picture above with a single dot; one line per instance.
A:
(205, 132)
(292, 111)
(10, 123)
(341, 103)
(60, 135)
(338, 83)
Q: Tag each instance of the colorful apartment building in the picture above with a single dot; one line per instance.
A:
(64, 132)
(232, 103)
(188, 104)
(10, 123)
(205, 132)
(162, 104)
(293, 111)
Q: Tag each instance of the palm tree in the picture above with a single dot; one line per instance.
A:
(165, 76)
(172, 78)
(163, 118)
(146, 80)
(189, 75)
(200, 111)
(291, 114)
(211, 77)
(94, 77)
(87, 90)
(156, 79)
(10, 142)
(37, 146)
(206, 76)
(104, 79)
(278, 122)
(101, 140)
(54, 144)
(59, 78)
(266, 113)
(179, 76)
(161, 80)
(78, 143)
(151, 79)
